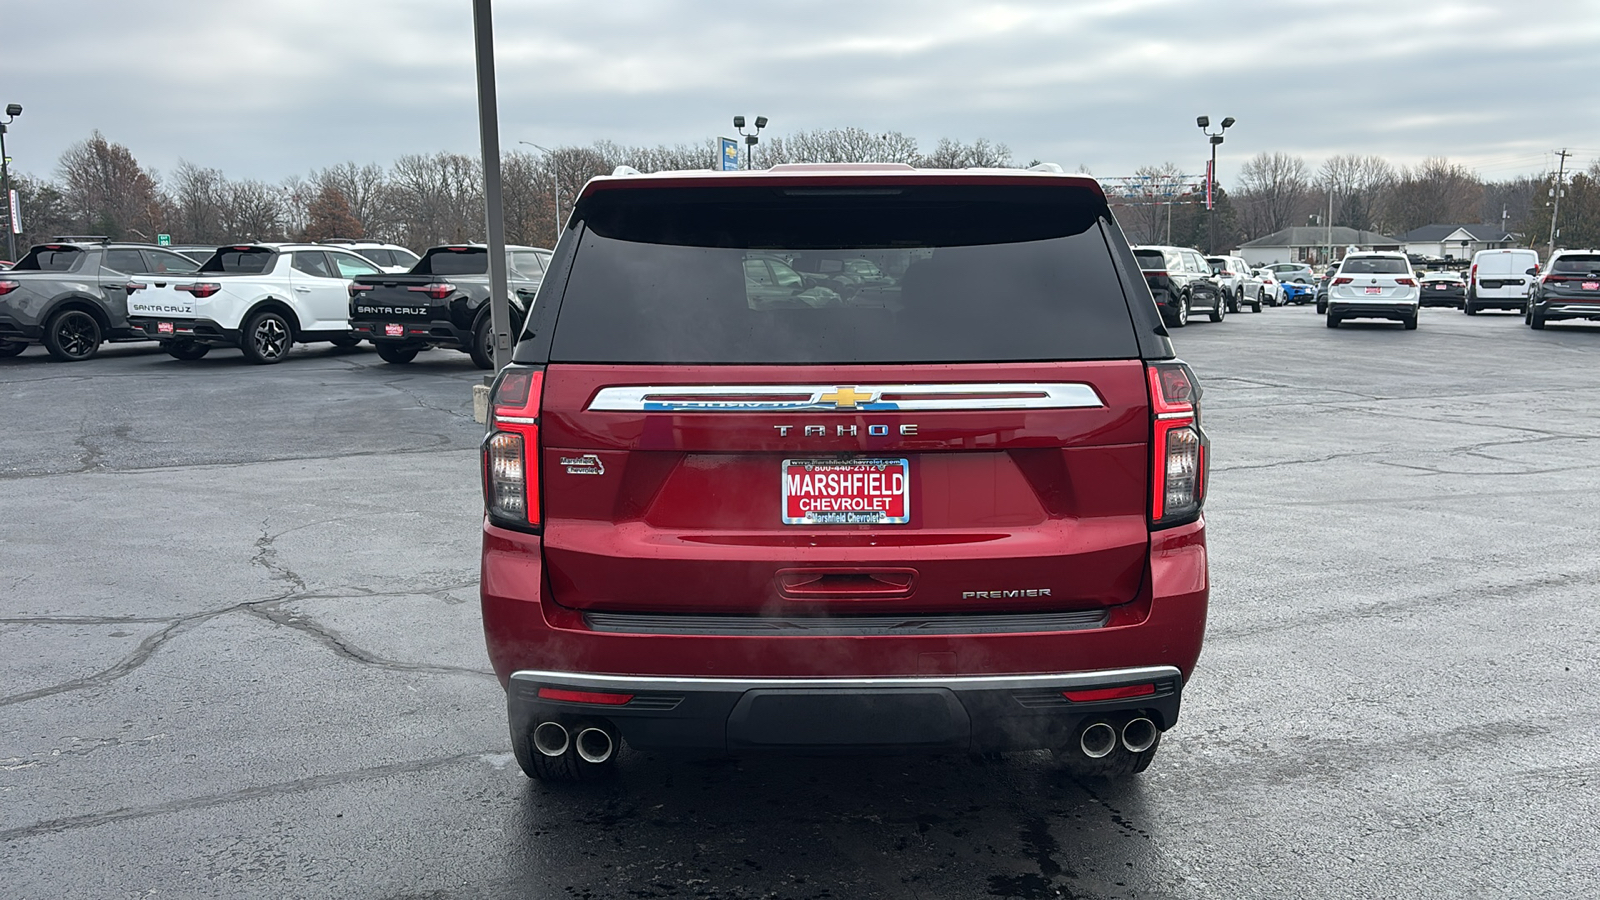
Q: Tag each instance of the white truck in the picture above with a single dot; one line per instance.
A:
(261, 298)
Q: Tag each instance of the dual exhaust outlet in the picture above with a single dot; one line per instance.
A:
(594, 743)
(1099, 738)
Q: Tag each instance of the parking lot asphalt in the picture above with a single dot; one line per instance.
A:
(242, 656)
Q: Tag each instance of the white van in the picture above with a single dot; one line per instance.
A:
(1500, 279)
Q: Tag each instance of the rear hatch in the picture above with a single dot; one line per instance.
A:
(38, 275)
(427, 291)
(1505, 272)
(1154, 265)
(1574, 276)
(182, 296)
(1363, 279)
(968, 434)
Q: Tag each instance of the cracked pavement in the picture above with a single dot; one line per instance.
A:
(241, 653)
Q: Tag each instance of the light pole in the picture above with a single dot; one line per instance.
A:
(12, 111)
(555, 180)
(751, 139)
(1211, 174)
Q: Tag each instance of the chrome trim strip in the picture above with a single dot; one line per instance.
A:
(846, 398)
(1064, 680)
(517, 420)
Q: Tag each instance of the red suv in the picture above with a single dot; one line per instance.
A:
(736, 503)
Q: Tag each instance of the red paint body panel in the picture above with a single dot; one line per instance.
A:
(1163, 626)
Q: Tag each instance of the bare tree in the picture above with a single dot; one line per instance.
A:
(253, 211)
(45, 213)
(107, 191)
(329, 216)
(436, 198)
(1437, 191)
(1145, 207)
(1274, 192)
(950, 154)
(363, 190)
(197, 196)
(1358, 184)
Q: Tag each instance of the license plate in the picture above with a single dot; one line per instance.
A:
(1591, 285)
(394, 330)
(1441, 287)
(1374, 290)
(846, 492)
(163, 327)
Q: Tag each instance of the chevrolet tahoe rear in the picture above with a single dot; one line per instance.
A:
(956, 507)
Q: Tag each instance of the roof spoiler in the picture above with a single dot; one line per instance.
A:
(81, 239)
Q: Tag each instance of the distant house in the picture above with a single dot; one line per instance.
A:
(1456, 241)
(1313, 244)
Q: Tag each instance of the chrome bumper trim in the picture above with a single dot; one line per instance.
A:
(1064, 680)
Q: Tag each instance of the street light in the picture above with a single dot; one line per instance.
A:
(1211, 174)
(555, 179)
(12, 111)
(751, 139)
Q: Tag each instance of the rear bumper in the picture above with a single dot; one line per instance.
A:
(1558, 308)
(436, 332)
(845, 715)
(14, 330)
(1398, 310)
(207, 331)
(966, 684)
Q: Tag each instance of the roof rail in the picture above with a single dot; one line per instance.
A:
(83, 238)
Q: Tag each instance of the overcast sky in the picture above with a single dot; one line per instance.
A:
(267, 90)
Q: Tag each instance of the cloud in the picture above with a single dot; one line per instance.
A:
(277, 90)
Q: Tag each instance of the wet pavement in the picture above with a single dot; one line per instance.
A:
(241, 654)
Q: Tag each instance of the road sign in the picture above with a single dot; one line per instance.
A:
(164, 240)
(729, 155)
(16, 213)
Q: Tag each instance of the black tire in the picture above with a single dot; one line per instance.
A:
(185, 350)
(1333, 321)
(11, 348)
(72, 335)
(1322, 307)
(1468, 307)
(1411, 323)
(1256, 306)
(345, 343)
(1219, 308)
(398, 354)
(1119, 764)
(566, 768)
(267, 338)
(482, 349)
(1181, 317)
(1536, 320)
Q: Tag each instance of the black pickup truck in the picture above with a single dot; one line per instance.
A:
(443, 302)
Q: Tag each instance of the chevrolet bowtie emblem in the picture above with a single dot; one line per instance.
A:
(847, 397)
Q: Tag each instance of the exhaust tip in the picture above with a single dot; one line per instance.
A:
(1097, 740)
(550, 738)
(594, 745)
(1139, 734)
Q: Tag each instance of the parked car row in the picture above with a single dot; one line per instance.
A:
(75, 293)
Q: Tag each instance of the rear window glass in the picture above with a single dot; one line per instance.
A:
(762, 275)
(381, 257)
(1579, 265)
(454, 261)
(247, 261)
(1374, 265)
(48, 259)
(1150, 260)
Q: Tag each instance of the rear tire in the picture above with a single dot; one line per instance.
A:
(398, 354)
(1219, 308)
(1468, 307)
(186, 350)
(1333, 321)
(72, 335)
(1536, 320)
(11, 348)
(267, 338)
(1256, 306)
(1411, 323)
(482, 349)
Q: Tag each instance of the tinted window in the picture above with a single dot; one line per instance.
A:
(1576, 265)
(352, 266)
(159, 262)
(403, 257)
(454, 261)
(972, 274)
(1151, 260)
(1375, 265)
(124, 260)
(312, 262)
(49, 259)
(243, 260)
(377, 255)
(526, 263)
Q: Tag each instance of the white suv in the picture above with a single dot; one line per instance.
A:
(1374, 286)
(1238, 285)
(391, 258)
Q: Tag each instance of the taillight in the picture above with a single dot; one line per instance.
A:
(1178, 445)
(1408, 282)
(1473, 275)
(201, 289)
(1339, 281)
(437, 291)
(7, 287)
(356, 288)
(511, 449)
